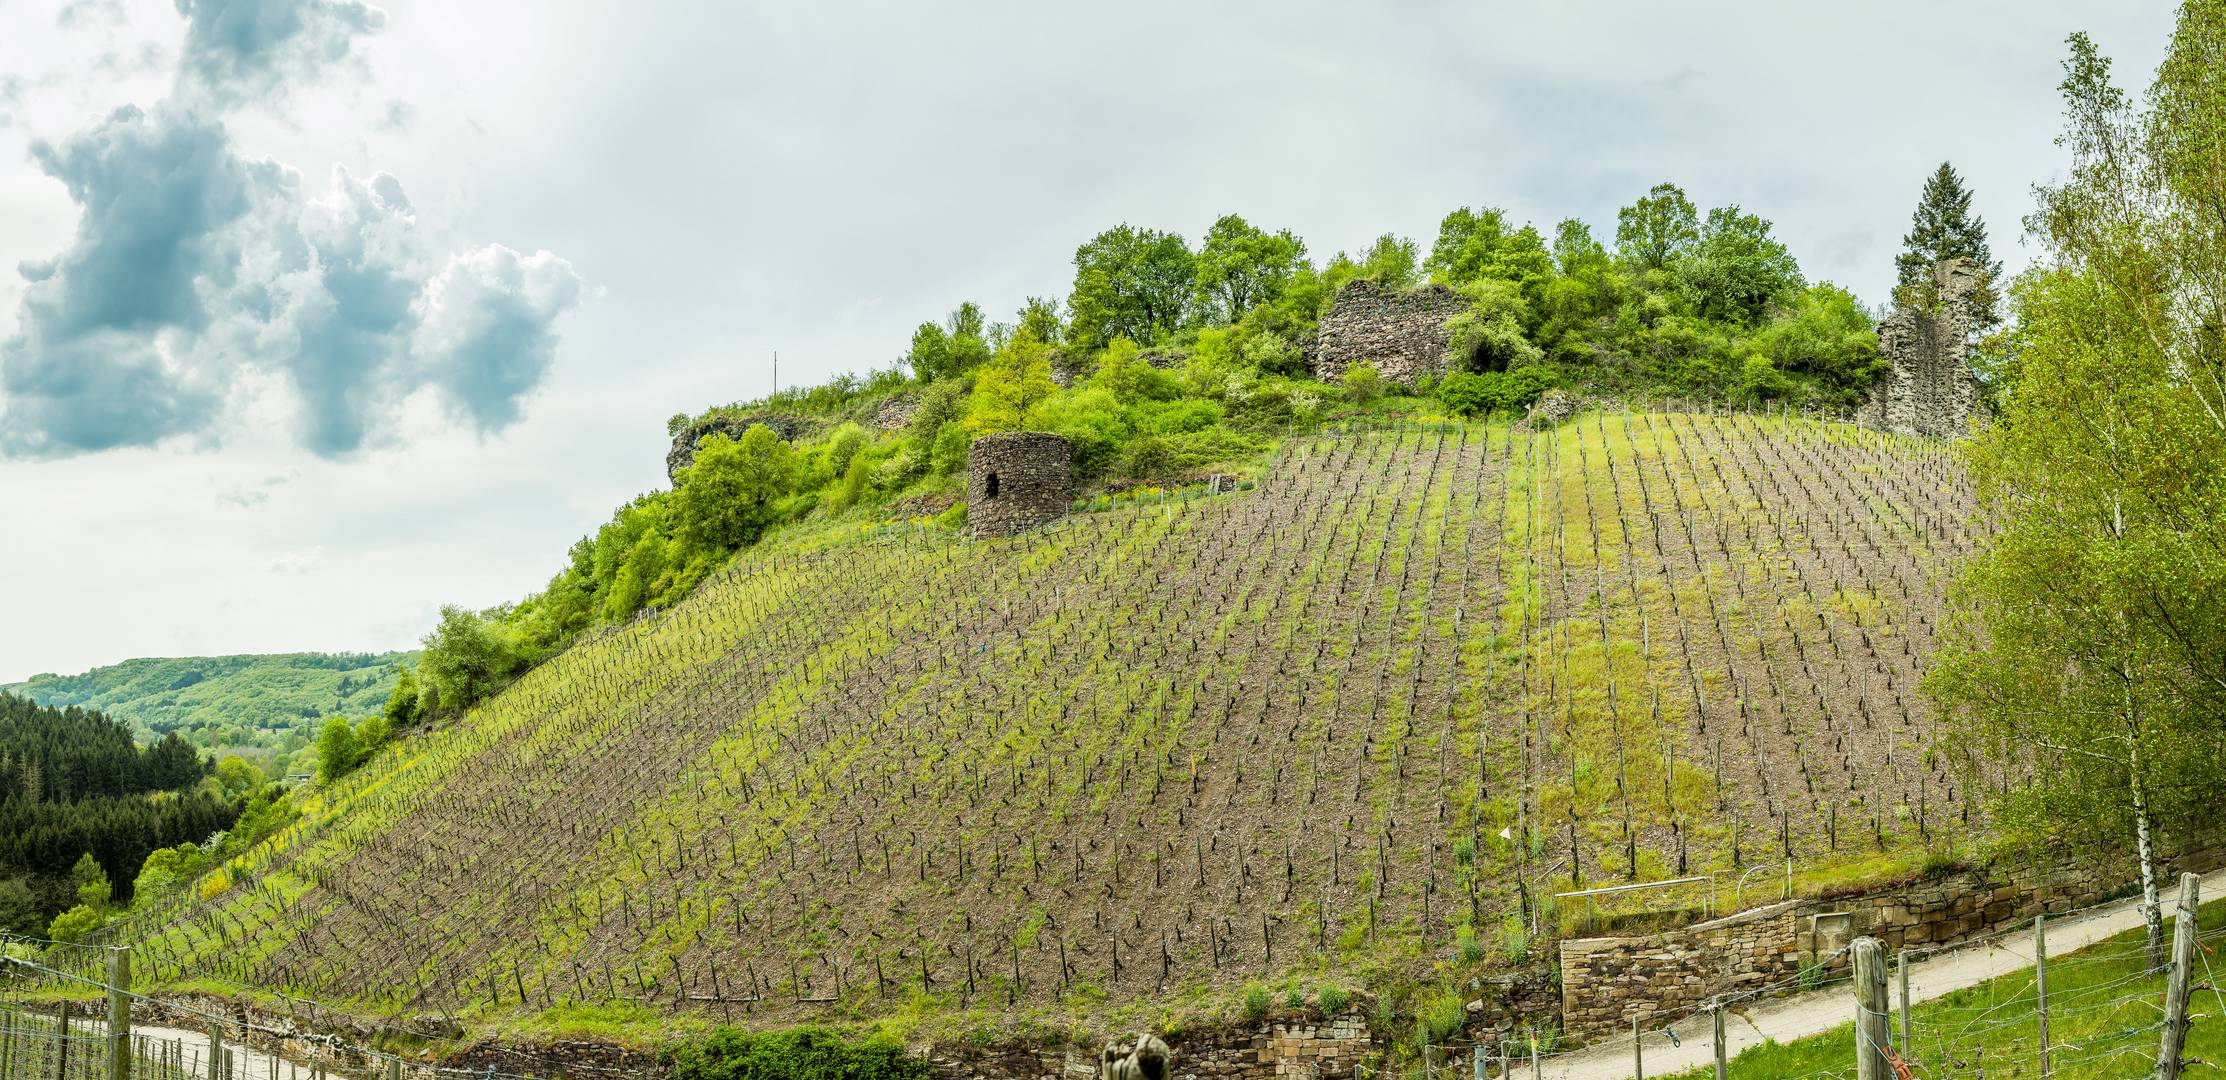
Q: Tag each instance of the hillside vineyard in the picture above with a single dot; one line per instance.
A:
(1415, 680)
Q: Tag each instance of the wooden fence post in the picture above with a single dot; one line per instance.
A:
(1638, 1053)
(2168, 1063)
(1871, 1031)
(2040, 990)
(1716, 1012)
(1901, 966)
(119, 1014)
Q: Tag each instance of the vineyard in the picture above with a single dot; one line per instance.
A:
(1380, 705)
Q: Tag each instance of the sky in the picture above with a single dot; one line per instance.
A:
(316, 315)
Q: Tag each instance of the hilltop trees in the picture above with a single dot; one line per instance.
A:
(2090, 640)
(1132, 283)
(1657, 229)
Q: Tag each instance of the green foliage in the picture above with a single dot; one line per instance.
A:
(804, 1053)
(1256, 1001)
(1737, 270)
(337, 752)
(1363, 383)
(467, 657)
(1467, 947)
(1488, 336)
(1333, 999)
(1658, 230)
(90, 882)
(725, 499)
(1944, 227)
(1240, 266)
(1442, 1017)
(950, 349)
(1011, 391)
(401, 705)
(75, 924)
(1391, 261)
(1465, 394)
(1515, 939)
(2088, 639)
(19, 907)
(1132, 283)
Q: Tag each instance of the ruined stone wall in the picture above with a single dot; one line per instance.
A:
(1402, 333)
(1016, 481)
(1298, 1048)
(1929, 390)
(1607, 981)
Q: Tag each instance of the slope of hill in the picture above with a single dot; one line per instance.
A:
(226, 701)
(1387, 702)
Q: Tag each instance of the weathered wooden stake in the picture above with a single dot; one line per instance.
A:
(119, 1014)
(2040, 991)
(2168, 1062)
(1871, 1031)
(1716, 1013)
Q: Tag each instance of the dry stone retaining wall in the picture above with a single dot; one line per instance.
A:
(1402, 333)
(1299, 1048)
(1608, 981)
(1016, 481)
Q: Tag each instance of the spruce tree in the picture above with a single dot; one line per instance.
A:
(1944, 228)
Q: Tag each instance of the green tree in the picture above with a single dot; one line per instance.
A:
(1012, 389)
(1489, 335)
(1657, 230)
(336, 749)
(1575, 252)
(1468, 239)
(1130, 282)
(726, 498)
(2088, 648)
(1737, 270)
(90, 882)
(401, 705)
(1945, 228)
(19, 907)
(950, 348)
(74, 925)
(1240, 265)
(1040, 316)
(238, 775)
(466, 658)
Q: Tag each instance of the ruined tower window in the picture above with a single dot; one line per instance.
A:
(989, 486)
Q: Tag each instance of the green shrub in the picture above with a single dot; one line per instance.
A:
(805, 1053)
(1295, 999)
(1333, 998)
(1256, 1001)
(1363, 383)
(1441, 1019)
(1467, 946)
(1515, 938)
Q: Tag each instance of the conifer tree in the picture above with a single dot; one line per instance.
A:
(1944, 228)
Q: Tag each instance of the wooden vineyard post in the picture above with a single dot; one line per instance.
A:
(62, 1042)
(394, 1069)
(2040, 990)
(218, 1067)
(1716, 1014)
(1638, 1053)
(1535, 1072)
(1901, 967)
(1871, 1032)
(119, 1014)
(2168, 1062)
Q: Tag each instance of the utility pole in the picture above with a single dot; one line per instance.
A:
(776, 371)
(1871, 1015)
(2168, 1063)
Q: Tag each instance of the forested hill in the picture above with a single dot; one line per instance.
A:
(73, 784)
(219, 702)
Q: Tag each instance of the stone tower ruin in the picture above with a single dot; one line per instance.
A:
(1930, 390)
(1401, 332)
(1017, 481)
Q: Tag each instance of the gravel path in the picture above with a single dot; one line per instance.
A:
(1788, 1018)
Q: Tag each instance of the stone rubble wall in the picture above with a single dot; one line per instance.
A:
(1035, 482)
(1929, 390)
(1608, 981)
(1402, 333)
(1297, 1048)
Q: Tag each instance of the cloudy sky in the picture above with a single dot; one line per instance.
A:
(324, 312)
